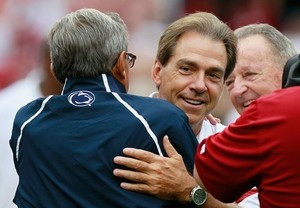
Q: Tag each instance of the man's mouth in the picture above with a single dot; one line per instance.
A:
(247, 103)
(193, 102)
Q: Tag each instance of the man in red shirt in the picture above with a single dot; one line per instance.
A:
(260, 149)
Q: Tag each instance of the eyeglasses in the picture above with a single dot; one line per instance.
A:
(131, 59)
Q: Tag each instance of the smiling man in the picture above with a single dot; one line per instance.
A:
(193, 77)
(262, 54)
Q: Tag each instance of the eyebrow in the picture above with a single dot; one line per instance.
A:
(194, 64)
(187, 62)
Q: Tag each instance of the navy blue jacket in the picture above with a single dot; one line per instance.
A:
(64, 145)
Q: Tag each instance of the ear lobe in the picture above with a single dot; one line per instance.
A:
(121, 71)
(156, 73)
(52, 70)
(53, 74)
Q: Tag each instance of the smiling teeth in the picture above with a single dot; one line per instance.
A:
(194, 102)
(246, 104)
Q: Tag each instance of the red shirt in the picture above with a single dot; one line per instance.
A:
(262, 149)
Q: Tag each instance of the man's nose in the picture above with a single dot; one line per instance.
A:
(238, 89)
(199, 84)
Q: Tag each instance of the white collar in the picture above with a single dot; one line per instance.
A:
(154, 95)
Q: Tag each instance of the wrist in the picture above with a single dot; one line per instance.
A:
(185, 195)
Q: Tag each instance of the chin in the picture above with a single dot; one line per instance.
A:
(195, 120)
(241, 111)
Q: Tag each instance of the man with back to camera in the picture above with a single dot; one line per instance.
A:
(261, 48)
(64, 145)
(195, 55)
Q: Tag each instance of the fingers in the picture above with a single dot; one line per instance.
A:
(212, 119)
(139, 154)
(137, 177)
(142, 188)
(130, 163)
(139, 180)
(170, 150)
(218, 120)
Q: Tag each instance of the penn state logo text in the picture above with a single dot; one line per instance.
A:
(81, 98)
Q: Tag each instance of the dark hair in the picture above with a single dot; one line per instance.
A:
(205, 24)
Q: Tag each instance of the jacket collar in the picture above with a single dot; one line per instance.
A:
(102, 83)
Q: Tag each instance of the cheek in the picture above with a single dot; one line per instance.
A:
(266, 84)
(175, 84)
(167, 90)
(262, 88)
(215, 92)
(233, 99)
(275, 83)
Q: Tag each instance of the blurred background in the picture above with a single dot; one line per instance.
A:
(25, 23)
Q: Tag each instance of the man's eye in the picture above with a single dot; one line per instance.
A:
(215, 76)
(247, 74)
(250, 75)
(228, 82)
(184, 69)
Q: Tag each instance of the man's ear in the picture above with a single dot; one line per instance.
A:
(121, 70)
(51, 69)
(156, 73)
(53, 74)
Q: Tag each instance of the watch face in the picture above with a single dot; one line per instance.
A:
(199, 196)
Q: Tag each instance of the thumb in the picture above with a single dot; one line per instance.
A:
(170, 150)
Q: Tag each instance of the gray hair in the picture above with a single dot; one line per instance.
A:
(86, 43)
(280, 45)
(205, 24)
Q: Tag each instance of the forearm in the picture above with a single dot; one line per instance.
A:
(212, 202)
(184, 197)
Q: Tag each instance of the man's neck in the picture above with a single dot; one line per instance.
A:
(50, 87)
(197, 127)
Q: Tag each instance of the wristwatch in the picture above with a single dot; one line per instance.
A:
(198, 196)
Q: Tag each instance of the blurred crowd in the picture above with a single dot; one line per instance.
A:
(24, 24)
